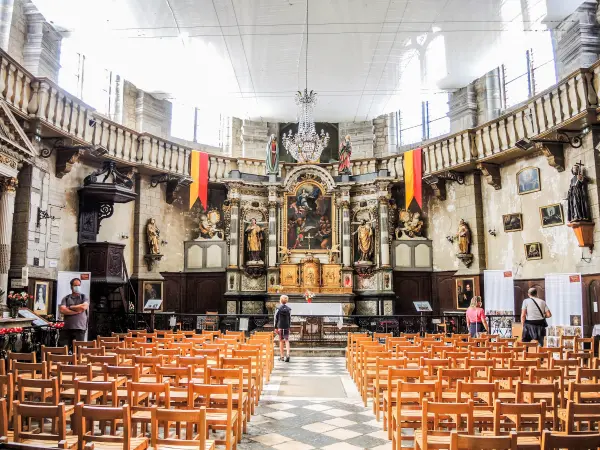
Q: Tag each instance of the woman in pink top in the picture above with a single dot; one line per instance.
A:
(476, 321)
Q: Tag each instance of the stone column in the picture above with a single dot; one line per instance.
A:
(346, 251)
(234, 233)
(7, 209)
(6, 13)
(382, 195)
(463, 108)
(42, 45)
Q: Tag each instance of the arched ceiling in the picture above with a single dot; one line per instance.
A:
(246, 57)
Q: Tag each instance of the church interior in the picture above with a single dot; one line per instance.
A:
(416, 181)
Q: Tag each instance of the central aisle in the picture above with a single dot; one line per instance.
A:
(312, 403)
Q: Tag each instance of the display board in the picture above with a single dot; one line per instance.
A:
(499, 300)
(564, 298)
(63, 286)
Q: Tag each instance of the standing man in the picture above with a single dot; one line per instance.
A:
(533, 317)
(74, 308)
(283, 319)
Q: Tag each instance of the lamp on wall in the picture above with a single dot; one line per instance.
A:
(493, 232)
(450, 238)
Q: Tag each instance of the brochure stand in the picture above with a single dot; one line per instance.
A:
(153, 306)
(421, 307)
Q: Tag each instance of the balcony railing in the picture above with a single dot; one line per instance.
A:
(39, 98)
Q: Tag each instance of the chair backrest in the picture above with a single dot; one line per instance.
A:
(150, 362)
(156, 394)
(45, 351)
(552, 441)
(582, 412)
(96, 392)
(584, 375)
(31, 370)
(176, 376)
(178, 428)
(202, 394)
(529, 411)
(473, 391)
(23, 357)
(575, 390)
(92, 423)
(7, 391)
(4, 417)
(434, 413)
(25, 416)
(460, 441)
(83, 352)
(39, 390)
(82, 371)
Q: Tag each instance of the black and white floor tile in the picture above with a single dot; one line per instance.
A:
(333, 419)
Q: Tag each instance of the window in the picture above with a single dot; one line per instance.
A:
(419, 120)
(531, 72)
(438, 122)
(70, 76)
(196, 124)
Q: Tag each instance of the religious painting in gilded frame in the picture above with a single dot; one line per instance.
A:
(528, 180)
(309, 218)
(552, 215)
(533, 250)
(465, 291)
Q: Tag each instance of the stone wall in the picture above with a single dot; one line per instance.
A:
(18, 32)
(362, 135)
(560, 251)
(254, 136)
(152, 115)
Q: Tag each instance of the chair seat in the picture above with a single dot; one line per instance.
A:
(143, 416)
(138, 443)
(210, 445)
(220, 417)
(71, 442)
(435, 440)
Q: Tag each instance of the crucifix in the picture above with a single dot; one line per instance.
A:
(309, 237)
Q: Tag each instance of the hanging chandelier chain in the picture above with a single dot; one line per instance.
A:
(306, 145)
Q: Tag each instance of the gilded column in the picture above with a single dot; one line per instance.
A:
(272, 255)
(7, 209)
(383, 195)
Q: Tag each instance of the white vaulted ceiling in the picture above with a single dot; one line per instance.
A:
(246, 57)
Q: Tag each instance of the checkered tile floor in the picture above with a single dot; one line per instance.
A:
(302, 423)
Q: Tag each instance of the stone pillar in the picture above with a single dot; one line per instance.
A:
(42, 45)
(383, 195)
(6, 13)
(493, 101)
(117, 112)
(345, 216)
(234, 233)
(7, 209)
(577, 39)
(463, 109)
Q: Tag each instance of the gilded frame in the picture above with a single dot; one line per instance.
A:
(533, 189)
(562, 215)
(332, 216)
(528, 246)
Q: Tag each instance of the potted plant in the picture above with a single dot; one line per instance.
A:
(16, 301)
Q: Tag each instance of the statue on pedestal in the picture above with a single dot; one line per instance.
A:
(577, 197)
(345, 154)
(254, 237)
(208, 226)
(366, 242)
(272, 156)
(153, 235)
(464, 238)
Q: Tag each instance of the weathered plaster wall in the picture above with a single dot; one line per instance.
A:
(18, 32)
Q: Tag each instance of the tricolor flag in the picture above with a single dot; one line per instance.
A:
(413, 174)
(199, 173)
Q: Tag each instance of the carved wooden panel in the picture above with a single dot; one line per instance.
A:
(410, 287)
(443, 286)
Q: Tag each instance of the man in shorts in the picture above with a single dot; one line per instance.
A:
(283, 319)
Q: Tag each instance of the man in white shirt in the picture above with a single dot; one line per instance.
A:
(534, 313)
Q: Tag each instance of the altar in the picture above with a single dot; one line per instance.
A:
(316, 309)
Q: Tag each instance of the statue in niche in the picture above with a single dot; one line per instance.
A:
(208, 226)
(366, 242)
(272, 156)
(344, 155)
(464, 238)
(254, 237)
(577, 197)
(153, 236)
(410, 224)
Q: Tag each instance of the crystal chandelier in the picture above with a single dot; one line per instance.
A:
(306, 145)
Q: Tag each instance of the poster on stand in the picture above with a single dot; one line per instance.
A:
(564, 298)
(498, 300)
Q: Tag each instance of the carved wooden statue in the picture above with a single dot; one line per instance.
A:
(366, 243)
(153, 236)
(272, 156)
(578, 205)
(464, 238)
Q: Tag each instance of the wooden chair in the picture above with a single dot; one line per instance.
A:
(29, 370)
(443, 416)
(578, 413)
(125, 355)
(198, 364)
(448, 379)
(249, 384)
(67, 375)
(98, 363)
(390, 395)
(83, 353)
(382, 366)
(527, 419)
(45, 351)
(189, 429)
(4, 421)
(37, 391)
(50, 428)
(7, 391)
(121, 375)
(178, 378)
(147, 366)
(483, 396)
(536, 392)
(96, 393)
(142, 396)
(460, 441)
(97, 435)
(507, 382)
(240, 399)
(217, 418)
(21, 357)
(551, 441)
(407, 413)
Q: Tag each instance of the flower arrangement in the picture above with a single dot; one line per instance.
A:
(11, 330)
(57, 325)
(17, 300)
(308, 296)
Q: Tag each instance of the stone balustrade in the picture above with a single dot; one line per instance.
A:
(41, 99)
(573, 98)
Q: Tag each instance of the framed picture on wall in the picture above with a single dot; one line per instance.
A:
(152, 290)
(512, 222)
(41, 294)
(528, 180)
(533, 250)
(465, 290)
(552, 215)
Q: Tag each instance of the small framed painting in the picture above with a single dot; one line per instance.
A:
(528, 180)
(552, 215)
(152, 290)
(41, 291)
(533, 250)
(512, 222)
